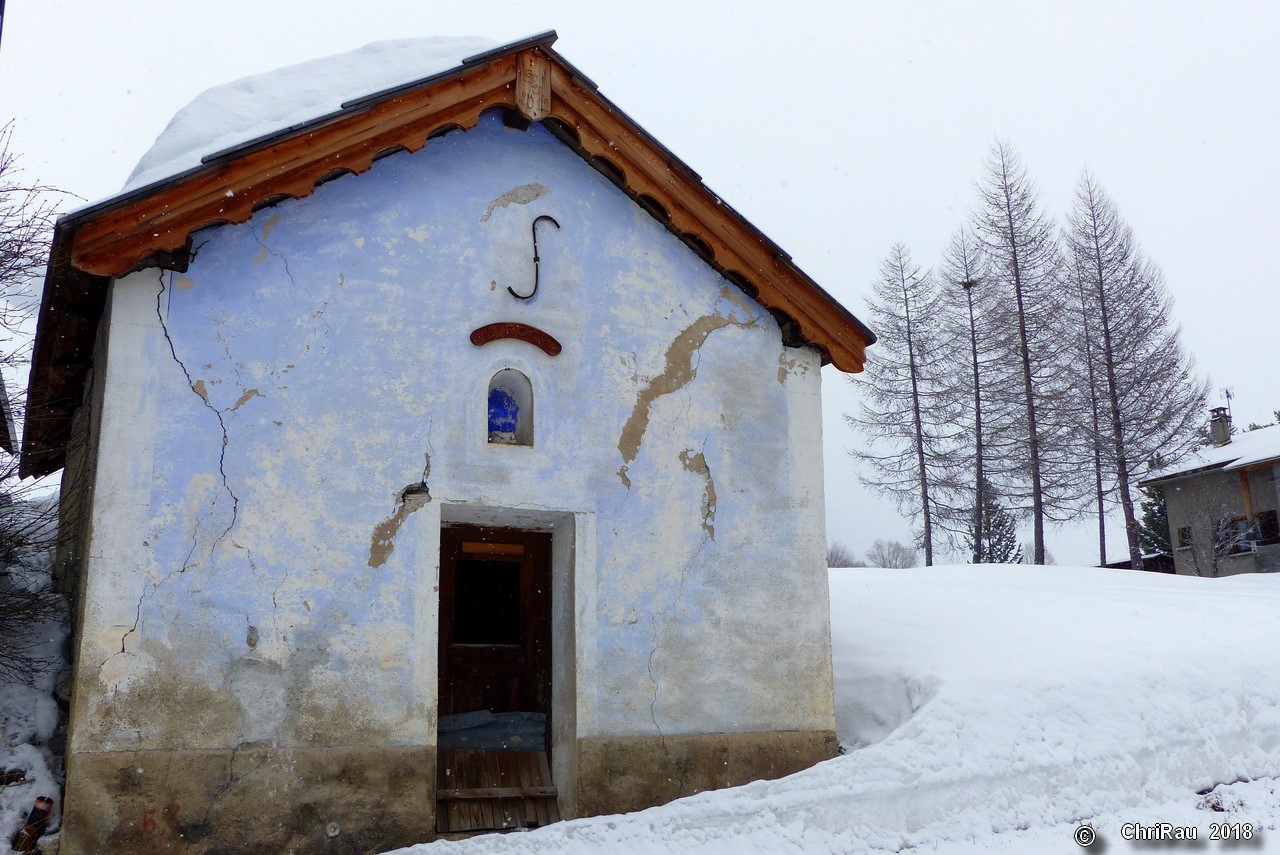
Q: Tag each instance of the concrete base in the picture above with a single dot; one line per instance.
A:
(626, 773)
(249, 800)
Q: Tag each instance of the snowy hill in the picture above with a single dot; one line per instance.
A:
(998, 708)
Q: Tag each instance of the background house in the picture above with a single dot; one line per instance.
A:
(1222, 502)
(457, 417)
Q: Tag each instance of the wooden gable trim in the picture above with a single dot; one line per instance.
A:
(695, 214)
(152, 226)
(115, 242)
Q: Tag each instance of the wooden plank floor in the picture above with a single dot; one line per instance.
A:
(494, 790)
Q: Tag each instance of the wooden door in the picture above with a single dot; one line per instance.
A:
(495, 620)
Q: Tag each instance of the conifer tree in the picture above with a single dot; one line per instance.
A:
(1153, 533)
(998, 541)
(904, 414)
(977, 360)
(1150, 397)
(1021, 246)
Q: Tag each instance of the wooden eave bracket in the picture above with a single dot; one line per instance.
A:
(533, 85)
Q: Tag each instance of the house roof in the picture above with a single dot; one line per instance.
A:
(173, 195)
(1245, 450)
(8, 433)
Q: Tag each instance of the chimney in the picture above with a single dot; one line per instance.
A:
(1219, 426)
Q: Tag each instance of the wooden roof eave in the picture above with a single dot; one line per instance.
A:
(230, 191)
(738, 249)
(70, 308)
(1188, 473)
(119, 235)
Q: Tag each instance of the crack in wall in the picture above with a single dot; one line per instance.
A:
(199, 389)
(275, 604)
(267, 225)
(657, 644)
(679, 371)
(322, 306)
(219, 792)
(201, 393)
(657, 688)
(697, 464)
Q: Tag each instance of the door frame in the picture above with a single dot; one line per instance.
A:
(573, 598)
(530, 550)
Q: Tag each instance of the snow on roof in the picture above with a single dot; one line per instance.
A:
(238, 112)
(1244, 449)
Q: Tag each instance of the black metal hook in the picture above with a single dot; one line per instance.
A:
(534, 228)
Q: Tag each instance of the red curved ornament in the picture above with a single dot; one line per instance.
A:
(521, 332)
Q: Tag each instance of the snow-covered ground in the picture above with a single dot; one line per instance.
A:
(29, 713)
(999, 708)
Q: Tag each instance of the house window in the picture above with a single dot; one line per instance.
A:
(1268, 527)
(1238, 536)
(1184, 537)
(510, 408)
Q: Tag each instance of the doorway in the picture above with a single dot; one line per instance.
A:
(495, 680)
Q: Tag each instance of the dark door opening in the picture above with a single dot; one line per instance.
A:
(495, 680)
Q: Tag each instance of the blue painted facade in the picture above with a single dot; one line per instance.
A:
(269, 407)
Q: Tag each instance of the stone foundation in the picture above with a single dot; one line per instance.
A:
(343, 801)
(338, 801)
(625, 773)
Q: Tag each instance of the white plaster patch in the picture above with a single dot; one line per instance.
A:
(420, 234)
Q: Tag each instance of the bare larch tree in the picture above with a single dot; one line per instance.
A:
(976, 356)
(904, 411)
(1021, 246)
(1151, 399)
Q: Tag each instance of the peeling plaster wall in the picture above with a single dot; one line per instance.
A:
(254, 576)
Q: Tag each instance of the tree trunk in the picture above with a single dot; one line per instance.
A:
(1096, 424)
(1113, 394)
(1033, 436)
(978, 556)
(919, 427)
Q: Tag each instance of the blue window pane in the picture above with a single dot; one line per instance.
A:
(503, 412)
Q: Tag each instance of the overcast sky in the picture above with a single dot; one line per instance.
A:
(837, 128)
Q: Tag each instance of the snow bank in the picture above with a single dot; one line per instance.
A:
(238, 112)
(29, 713)
(995, 708)
(28, 720)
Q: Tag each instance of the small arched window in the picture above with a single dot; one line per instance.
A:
(510, 408)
